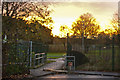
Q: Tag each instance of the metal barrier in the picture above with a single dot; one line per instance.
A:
(39, 59)
(19, 56)
(70, 62)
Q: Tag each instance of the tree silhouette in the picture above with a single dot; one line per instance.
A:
(64, 30)
(26, 9)
(20, 9)
(17, 29)
(86, 23)
(116, 23)
(104, 38)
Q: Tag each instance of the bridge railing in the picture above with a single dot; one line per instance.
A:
(39, 59)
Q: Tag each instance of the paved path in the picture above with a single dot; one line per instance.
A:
(98, 73)
(54, 65)
(86, 72)
(78, 76)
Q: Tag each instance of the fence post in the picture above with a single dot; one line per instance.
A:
(67, 43)
(113, 53)
(69, 46)
(30, 53)
(100, 50)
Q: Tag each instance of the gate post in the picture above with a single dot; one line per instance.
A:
(30, 53)
(113, 52)
(69, 46)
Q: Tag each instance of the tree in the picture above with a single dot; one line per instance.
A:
(26, 9)
(21, 9)
(86, 23)
(14, 21)
(64, 30)
(115, 23)
(104, 38)
(17, 29)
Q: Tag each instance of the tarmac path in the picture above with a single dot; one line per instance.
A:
(54, 65)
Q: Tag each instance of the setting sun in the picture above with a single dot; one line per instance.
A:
(59, 22)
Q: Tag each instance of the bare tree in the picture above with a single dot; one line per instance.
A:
(116, 22)
(20, 9)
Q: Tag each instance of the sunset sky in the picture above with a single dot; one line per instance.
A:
(67, 12)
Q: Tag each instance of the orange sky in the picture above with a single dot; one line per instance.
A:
(66, 12)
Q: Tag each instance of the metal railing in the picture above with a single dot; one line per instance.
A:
(39, 59)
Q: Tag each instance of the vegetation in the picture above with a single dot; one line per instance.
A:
(86, 24)
(35, 30)
(55, 55)
(14, 59)
(64, 29)
(16, 26)
(25, 9)
(17, 29)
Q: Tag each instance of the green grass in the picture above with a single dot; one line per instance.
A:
(55, 55)
(49, 61)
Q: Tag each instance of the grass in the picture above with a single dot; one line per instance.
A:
(55, 55)
(49, 61)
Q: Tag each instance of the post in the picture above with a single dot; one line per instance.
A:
(100, 50)
(83, 38)
(30, 53)
(69, 46)
(113, 53)
(74, 62)
(67, 43)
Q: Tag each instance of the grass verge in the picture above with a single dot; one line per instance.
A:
(55, 55)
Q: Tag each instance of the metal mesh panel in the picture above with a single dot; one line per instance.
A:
(15, 58)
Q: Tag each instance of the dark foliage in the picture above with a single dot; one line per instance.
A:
(80, 58)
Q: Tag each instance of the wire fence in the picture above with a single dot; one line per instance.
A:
(103, 55)
(101, 58)
(19, 57)
(15, 58)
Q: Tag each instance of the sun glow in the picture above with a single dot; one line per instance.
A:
(107, 27)
(59, 22)
(103, 25)
(67, 13)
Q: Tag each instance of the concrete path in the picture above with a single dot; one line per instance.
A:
(54, 65)
(66, 76)
(86, 72)
(98, 73)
